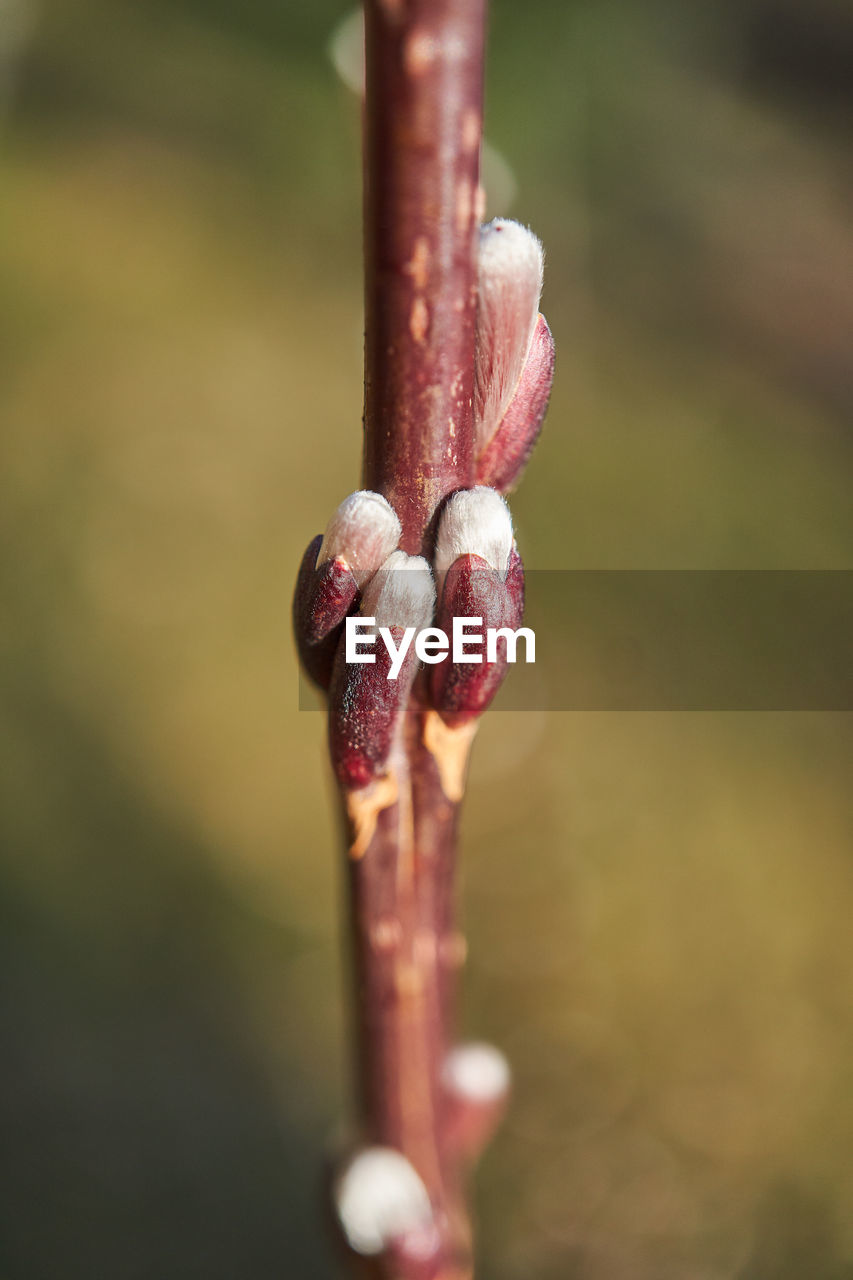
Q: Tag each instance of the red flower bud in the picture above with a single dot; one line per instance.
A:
(481, 577)
(358, 539)
(515, 353)
(321, 600)
(367, 698)
(462, 690)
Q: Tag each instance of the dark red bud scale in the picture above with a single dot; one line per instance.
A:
(473, 589)
(321, 601)
(333, 596)
(364, 706)
(359, 537)
(367, 699)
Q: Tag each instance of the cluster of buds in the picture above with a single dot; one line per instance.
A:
(381, 1204)
(356, 568)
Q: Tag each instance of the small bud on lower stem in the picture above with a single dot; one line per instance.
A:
(476, 1080)
(380, 1199)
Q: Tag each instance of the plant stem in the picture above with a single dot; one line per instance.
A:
(423, 125)
(423, 119)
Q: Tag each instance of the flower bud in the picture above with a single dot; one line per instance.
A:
(514, 355)
(401, 593)
(462, 690)
(320, 601)
(476, 1080)
(358, 539)
(481, 577)
(474, 522)
(366, 699)
(379, 1199)
(503, 458)
(362, 533)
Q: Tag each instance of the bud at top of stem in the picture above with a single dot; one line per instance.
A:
(362, 532)
(509, 285)
(401, 593)
(474, 522)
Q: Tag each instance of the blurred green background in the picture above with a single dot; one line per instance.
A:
(658, 906)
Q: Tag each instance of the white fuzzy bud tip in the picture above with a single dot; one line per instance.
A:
(474, 522)
(509, 284)
(477, 1072)
(401, 593)
(511, 258)
(363, 531)
(379, 1197)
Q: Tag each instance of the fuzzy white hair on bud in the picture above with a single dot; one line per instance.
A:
(401, 593)
(509, 285)
(378, 1197)
(474, 522)
(477, 1072)
(363, 531)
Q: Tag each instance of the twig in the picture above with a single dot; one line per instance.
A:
(423, 114)
(458, 368)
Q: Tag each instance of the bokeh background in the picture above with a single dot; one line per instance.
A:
(658, 905)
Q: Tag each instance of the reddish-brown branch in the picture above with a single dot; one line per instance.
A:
(423, 124)
(423, 114)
